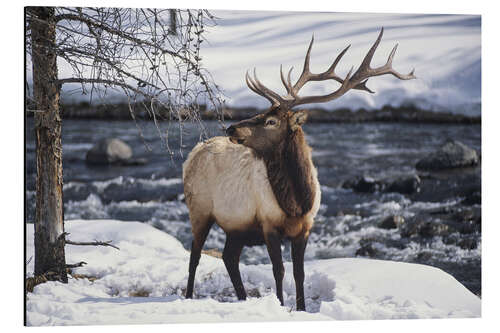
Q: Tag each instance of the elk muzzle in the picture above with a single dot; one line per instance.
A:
(238, 135)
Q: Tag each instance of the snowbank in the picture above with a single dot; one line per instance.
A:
(153, 263)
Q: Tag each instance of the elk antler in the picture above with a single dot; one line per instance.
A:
(356, 81)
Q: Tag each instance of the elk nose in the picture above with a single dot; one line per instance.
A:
(230, 130)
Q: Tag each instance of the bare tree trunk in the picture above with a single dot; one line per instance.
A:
(173, 21)
(49, 225)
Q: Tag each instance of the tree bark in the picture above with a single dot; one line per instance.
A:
(49, 224)
(173, 21)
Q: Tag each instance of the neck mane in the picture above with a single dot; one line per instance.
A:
(289, 169)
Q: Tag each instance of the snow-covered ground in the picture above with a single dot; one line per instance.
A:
(153, 263)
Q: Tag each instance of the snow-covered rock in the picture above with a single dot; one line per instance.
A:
(109, 151)
(453, 154)
(151, 262)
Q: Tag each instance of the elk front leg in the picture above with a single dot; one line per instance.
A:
(273, 242)
(199, 236)
(298, 248)
(231, 257)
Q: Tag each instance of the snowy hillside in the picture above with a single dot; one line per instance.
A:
(445, 51)
(151, 263)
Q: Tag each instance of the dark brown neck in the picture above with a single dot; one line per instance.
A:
(289, 169)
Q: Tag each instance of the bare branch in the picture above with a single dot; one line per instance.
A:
(79, 264)
(103, 81)
(119, 33)
(95, 243)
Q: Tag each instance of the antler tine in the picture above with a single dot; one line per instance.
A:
(362, 86)
(254, 87)
(304, 77)
(263, 88)
(391, 55)
(250, 84)
(365, 65)
(331, 70)
(293, 92)
(308, 55)
(264, 91)
(289, 80)
(409, 76)
(288, 86)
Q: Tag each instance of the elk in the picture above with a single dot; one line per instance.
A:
(259, 183)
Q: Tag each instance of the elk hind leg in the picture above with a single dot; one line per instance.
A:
(298, 248)
(231, 257)
(200, 233)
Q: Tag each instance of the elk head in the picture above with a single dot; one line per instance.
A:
(265, 131)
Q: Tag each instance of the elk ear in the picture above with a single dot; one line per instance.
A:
(297, 119)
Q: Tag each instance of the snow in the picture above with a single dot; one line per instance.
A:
(151, 262)
(445, 51)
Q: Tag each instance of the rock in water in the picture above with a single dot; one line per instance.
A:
(392, 222)
(405, 185)
(363, 184)
(453, 154)
(109, 151)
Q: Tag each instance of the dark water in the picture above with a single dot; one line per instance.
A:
(348, 222)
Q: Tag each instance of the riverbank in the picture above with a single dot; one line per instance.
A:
(405, 114)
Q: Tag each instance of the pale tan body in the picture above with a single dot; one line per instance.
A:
(225, 182)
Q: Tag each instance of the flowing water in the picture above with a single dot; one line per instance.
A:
(348, 223)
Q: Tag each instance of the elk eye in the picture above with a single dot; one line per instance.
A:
(270, 122)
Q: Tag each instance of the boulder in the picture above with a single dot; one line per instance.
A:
(109, 151)
(405, 185)
(431, 229)
(367, 250)
(363, 184)
(468, 243)
(392, 222)
(424, 226)
(453, 154)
